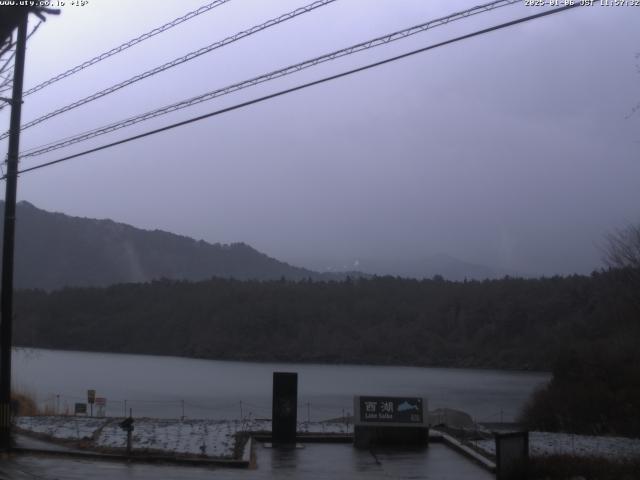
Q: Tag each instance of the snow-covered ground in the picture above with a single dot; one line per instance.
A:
(61, 428)
(196, 437)
(213, 438)
(545, 443)
(216, 438)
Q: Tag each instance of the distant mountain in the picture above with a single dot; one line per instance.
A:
(448, 267)
(54, 250)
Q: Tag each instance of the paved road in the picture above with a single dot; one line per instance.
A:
(438, 462)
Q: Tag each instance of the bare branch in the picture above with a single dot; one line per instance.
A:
(622, 249)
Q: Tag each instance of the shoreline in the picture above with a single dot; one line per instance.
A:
(293, 362)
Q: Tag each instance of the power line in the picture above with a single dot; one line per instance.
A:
(5, 65)
(5, 84)
(378, 41)
(178, 61)
(126, 45)
(301, 87)
(8, 66)
(10, 44)
(13, 52)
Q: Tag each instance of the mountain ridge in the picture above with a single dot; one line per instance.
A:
(54, 250)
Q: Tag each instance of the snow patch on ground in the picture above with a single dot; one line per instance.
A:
(194, 437)
(217, 438)
(211, 438)
(545, 443)
(61, 428)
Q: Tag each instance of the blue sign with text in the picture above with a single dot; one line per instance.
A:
(391, 410)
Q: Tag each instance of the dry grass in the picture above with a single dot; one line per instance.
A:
(24, 403)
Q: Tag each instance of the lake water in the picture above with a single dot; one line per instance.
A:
(157, 386)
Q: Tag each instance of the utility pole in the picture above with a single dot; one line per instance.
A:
(6, 295)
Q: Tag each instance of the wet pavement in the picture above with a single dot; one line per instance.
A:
(314, 461)
(30, 443)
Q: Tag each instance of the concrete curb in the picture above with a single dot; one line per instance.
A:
(219, 462)
(246, 452)
(464, 450)
(311, 438)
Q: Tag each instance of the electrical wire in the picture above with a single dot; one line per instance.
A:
(126, 45)
(303, 86)
(376, 42)
(5, 65)
(175, 62)
(13, 52)
(6, 84)
(9, 45)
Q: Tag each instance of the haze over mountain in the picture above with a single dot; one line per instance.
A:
(54, 250)
(429, 266)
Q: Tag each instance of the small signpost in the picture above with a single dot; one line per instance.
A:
(390, 420)
(91, 398)
(127, 426)
(101, 406)
(80, 409)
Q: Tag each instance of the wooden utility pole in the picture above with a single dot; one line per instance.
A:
(6, 295)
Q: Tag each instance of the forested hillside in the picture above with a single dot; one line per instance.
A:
(54, 250)
(508, 323)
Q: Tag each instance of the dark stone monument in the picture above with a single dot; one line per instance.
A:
(284, 408)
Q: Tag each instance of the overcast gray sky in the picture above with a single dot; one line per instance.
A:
(512, 149)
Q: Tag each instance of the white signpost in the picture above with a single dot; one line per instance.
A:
(101, 407)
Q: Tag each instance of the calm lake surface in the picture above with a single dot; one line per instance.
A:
(156, 386)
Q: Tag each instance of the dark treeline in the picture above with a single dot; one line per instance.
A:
(508, 323)
(593, 391)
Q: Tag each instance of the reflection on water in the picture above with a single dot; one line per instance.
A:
(168, 386)
(282, 459)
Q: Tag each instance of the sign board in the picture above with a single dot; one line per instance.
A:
(91, 396)
(100, 402)
(390, 411)
(383, 420)
(80, 409)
